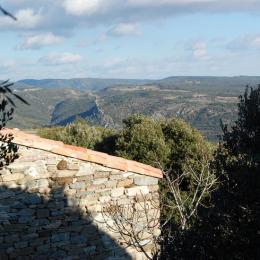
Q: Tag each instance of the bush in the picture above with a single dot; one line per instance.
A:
(81, 134)
(142, 139)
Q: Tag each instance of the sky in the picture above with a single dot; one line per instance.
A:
(149, 39)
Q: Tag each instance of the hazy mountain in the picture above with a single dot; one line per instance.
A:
(81, 83)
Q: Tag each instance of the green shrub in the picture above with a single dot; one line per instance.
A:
(79, 133)
(142, 139)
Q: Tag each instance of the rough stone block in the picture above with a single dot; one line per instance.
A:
(116, 177)
(103, 192)
(86, 178)
(111, 184)
(117, 192)
(153, 188)
(145, 181)
(105, 199)
(60, 237)
(62, 165)
(95, 187)
(73, 166)
(85, 169)
(21, 244)
(26, 212)
(36, 173)
(128, 174)
(89, 250)
(65, 180)
(125, 183)
(141, 190)
(43, 213)
(37, 184)
(99, 181)
(78, 185)
(12, 177)
(65, 173)
(88, 202)
(6, 194)
(94, 208)
(102, 174)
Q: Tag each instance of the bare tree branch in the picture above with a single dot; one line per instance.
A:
(204, 183)
(7, 13)
(137, 224)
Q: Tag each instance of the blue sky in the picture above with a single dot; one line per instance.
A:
(129, 38)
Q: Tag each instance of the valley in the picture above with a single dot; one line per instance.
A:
(201, 101)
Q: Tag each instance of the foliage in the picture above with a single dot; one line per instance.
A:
(180, 151)
(8, 151)
(187, 146)
(80, 133)
(142, 140)
(239, 158)
(230, 229)
(243, 140)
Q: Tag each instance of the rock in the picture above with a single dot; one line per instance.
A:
(141, 190)
(26, 212)
(103, 174)
(43, 213)
(62, 165)
(116, 177)
(117, 192)
(21, 244)
(89, 250)
(111, 184)
(65, 180)
(153, 188)
(12, 177)
(6, 194)
(85, 169)
(128, 174)
(37, 184)
(60, 237)
(73, 166)
(78, 185)
(65, 173)
(104, 199)
(99, 181)
(145, 181)
(125, 183)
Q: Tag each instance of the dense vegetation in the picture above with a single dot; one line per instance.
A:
(226, 222)
(80, 133)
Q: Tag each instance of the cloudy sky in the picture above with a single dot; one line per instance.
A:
(129, 38)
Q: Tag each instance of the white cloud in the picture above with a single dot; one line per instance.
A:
(8, 65)
(40, 40)
(167, 2)
(200, 50)
(60, 58)
(82, 7)
(248, 42)
(27, 19)
(49, 15)
(124, 29)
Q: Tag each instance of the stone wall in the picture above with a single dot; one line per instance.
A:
(51, 207)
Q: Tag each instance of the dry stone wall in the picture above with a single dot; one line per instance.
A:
(51, 207)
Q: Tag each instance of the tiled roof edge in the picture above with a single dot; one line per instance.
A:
(33, 141)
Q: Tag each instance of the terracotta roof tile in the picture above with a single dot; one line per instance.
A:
(56, 147)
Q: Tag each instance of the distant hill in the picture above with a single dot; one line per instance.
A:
(202, 101)
(92, 84)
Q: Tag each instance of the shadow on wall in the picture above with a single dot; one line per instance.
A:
(33, 226)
